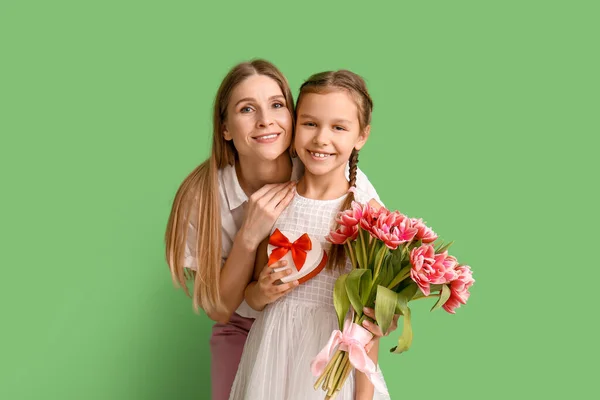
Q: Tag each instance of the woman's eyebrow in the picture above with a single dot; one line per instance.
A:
(244, 99)
(252, 99)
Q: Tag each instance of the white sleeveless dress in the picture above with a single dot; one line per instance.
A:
(291, 331)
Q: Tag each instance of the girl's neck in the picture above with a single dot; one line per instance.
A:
(254, 174)
(323, 187)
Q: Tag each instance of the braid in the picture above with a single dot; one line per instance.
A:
(337, 252)
(353, 166)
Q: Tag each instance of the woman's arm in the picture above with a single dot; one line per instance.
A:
(235, 274)
(263, 209)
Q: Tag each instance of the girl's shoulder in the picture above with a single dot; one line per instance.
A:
(362, 196)
(364, 185)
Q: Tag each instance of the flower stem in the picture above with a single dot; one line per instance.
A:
(327, 369)
(344, 376)
(351, 253)
(333, 373)
(399, 279)
(379, 260)
(339, 372)
(426, 297)
(372, 247)
(361, 243)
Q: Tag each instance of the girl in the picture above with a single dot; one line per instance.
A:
(333, 123)
(229, 203)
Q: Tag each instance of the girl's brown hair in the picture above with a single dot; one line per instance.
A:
(196, 208)
(356, 87)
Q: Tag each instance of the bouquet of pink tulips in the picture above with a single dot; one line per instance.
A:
(394, 262)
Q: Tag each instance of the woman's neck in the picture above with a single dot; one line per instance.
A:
(323, 187)
(254, 174)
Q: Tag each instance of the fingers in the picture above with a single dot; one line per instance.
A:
(263, 190)
(280, 189)
(283, 193)
(373, 328)
(286, 287)
(268, 281)
(268, 197)
(280, 195)
(369, 312)
(275, 292)
(376, 330)
(285, 201)
(275, 276)
(394, 324)
(268, 271)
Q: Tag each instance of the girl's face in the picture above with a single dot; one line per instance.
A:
(258, 120)
(327, 130)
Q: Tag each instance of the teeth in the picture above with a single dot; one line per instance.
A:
(267, 137)
(320, 155)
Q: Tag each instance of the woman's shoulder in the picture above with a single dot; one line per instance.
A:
(231, 193)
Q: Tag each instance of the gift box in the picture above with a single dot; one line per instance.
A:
(303, 253)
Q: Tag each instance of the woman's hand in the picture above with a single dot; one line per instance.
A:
(264, 207)
(376, 329)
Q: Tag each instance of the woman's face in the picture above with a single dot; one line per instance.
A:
(258, 120)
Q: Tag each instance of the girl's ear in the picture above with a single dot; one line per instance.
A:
(362, 138)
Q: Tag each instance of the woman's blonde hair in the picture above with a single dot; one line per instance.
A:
(196, 208)
(356, 87)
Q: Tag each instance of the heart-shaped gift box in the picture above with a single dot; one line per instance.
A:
(303, 253)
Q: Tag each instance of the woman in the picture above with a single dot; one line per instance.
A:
(228, 205)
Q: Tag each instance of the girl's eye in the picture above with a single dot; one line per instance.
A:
(309, 124)
(339, 128)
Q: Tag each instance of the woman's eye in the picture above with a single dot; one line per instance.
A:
(278, 105)
(246, 109)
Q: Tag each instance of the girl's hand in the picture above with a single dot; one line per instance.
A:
(264, 207)
(376, 329)
(269, 285)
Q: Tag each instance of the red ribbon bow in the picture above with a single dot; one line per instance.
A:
(298, 248)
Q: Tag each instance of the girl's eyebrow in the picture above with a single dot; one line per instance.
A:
(337, 121)
(278, 96)
(307, 116)
(342, 121)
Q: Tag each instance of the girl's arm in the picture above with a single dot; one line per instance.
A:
(266, 286)
(364, 387)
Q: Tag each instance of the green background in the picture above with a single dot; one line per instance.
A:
(485, 123)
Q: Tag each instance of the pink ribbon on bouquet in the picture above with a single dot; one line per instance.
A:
(353, 340)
